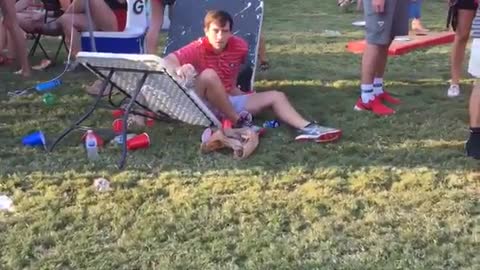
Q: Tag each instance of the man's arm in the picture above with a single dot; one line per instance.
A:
(175, 68)
(172, 63)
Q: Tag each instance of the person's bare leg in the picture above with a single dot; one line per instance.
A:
(359, 5)
(3, 37)
(8, 8)
(370, 62)
(103, 16)
(156, 22)
(10, 46)
(474, 105)
(77, 6)
(209, 86)
(472, 145)
(22, 18)
(382, 59)
(262, 50)
(80, 24)
(280, 105)
(462, 34)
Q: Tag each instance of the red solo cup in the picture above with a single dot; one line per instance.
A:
(138, 142)
(150, 120)
(117, 126)
(118, 113)
(226, 124)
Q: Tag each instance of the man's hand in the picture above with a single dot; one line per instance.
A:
(186, 72)
(378, 6)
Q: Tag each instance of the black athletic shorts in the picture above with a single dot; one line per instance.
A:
(467, 4)
(168, 2)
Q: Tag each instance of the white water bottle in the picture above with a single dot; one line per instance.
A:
(91, 145)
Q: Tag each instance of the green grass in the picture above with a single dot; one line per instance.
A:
(394, 193)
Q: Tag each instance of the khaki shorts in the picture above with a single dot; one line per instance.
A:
(382, 28)
(238, 103)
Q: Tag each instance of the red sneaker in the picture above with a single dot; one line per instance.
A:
(375, 105)
(385, 96)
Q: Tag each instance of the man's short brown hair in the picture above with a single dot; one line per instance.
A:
(219, 16)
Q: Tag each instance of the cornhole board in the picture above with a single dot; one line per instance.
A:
(144, 80)
(187, 25)
(402, 47)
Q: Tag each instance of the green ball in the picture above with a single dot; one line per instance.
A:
(49, 99)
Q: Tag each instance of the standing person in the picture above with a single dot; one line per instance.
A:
(11, 24)
(156, 22)
(473, 144)
(461, 14)
(415, 10)
(384, 20)
(107, 15)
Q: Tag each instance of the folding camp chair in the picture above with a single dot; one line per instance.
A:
(187, 26)
(130, 40)
(143, 79)
(52, 11)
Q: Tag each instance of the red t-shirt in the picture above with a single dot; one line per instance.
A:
(226, 64)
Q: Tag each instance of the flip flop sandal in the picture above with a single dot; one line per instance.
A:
(264, 66)
(4, 60)
(44, 64)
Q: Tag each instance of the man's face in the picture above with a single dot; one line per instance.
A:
(218, 35)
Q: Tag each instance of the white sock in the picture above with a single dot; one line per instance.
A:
(367, 92)
(377, 86)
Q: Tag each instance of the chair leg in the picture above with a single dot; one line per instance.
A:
(65, 44)
(62, 42)
(83, 117)
(43, 50)
(35, 44)
(140, 83)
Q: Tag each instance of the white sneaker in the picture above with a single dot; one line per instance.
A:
(453, 90)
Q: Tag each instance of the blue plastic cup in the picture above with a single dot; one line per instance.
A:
(34, 139)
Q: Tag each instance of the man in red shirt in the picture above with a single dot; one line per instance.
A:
(217, 59)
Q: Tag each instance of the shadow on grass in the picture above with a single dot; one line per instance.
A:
(335, 63)
(421, 134)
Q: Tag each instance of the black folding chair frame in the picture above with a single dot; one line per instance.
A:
(158, 115)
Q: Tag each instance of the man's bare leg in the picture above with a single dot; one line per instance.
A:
(209, 86)
(373, 63)
(11, 23)
(474, 105)
(473, 143)
(378, 83)
(72, 35)
(370, 65)
(382, 61)
(282, 108)
(280, 105)
(156, 22)
(462, 34)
